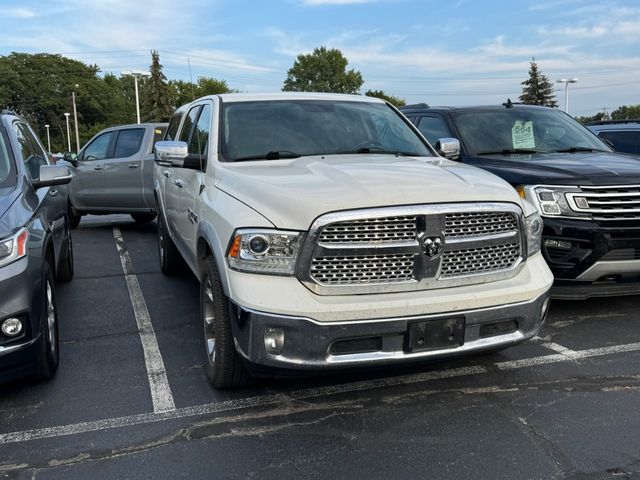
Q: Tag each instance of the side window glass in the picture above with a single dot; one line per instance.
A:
(97, 150)
(158, 135)
(199, 141)
(32, 155)
(626, 141)
(172, 129)
(434, 128)
(188, 123)
(128, 142)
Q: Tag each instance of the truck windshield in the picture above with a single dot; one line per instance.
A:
(7, 168)
(266, 130)
(522, 130)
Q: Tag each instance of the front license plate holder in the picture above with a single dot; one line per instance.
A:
(435, 334)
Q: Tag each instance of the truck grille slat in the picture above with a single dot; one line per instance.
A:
(371, 230)
(368, 269)
(475, 224)
(610, 203)
(479, 260)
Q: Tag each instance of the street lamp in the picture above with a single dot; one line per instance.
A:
(135, 74)
(48, 139)
(66, 114)
(566, 82)
(75, 119)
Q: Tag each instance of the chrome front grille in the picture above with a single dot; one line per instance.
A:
(471, 261)
(392, 249)
(371, 230)
(477, 224)
(608, 203)
(366, 269)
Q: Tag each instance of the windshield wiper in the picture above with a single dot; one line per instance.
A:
(508, 151)
(579, 149)
(374, 149)
(272, 155)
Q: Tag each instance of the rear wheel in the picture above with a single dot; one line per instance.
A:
(223, 365)
(143, 217)
(170, 260)
(49, 355)
(74, 220)
(65, 269)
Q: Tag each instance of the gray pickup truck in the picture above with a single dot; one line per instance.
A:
(113, 173)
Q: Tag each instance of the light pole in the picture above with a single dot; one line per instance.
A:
(75, 118)
(48, 139)
(135, 74)
(566, 82)
(66, 115)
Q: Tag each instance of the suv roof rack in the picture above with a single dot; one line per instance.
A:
(414, 106)
(509, 103)
(613, 122)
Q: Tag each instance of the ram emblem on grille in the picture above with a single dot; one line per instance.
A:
(432, 246)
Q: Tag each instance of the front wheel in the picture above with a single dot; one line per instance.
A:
(48, 354)
(143, 217)
(170, 260)
(65, 268)
(223, 365)
(74, 220)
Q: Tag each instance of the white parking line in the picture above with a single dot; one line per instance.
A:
(304, 394)
(158, 382)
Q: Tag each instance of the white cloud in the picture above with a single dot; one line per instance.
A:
(334, 2)
(17, 13)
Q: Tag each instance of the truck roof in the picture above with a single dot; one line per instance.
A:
(248, 97)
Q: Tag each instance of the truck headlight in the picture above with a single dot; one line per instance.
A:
(13, 248)
(551, 201)
(264, 251)
(533, 228)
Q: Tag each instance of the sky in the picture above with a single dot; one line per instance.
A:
(453, 52)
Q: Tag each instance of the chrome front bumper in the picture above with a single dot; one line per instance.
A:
(307, 344)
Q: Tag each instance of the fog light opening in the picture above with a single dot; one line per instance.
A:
(11, 327)
(274, 340)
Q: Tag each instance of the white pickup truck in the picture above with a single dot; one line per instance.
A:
(327, 233)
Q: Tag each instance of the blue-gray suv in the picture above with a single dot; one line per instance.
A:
(35, 250)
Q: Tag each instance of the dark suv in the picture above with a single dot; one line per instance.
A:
(588, 195)
(624, 135)
(35, 248)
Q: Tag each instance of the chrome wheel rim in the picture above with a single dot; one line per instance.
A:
(209, 322)
(51, 320)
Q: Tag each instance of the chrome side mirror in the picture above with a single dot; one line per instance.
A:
(448, 148)
(171, 153)
(51, 175)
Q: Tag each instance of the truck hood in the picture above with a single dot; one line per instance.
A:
(292, 193)
(580, 168)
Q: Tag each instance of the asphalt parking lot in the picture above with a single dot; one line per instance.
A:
(131, 399)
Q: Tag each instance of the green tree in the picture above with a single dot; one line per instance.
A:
(397, 101)
(537, 89)
(626, 112)
(185, 92)
(322, 71)
(157, 105)
(592, 118)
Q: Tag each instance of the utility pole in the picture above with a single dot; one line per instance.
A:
(135, 74)
(48, 139)
(66, 115)
(75, 119)
(566, 82)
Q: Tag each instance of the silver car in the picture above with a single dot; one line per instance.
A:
(113, 173)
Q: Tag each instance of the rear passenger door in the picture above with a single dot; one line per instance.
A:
(89, 187)
(123, 170)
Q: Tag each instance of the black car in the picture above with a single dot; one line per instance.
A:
(588, 195)
(35, 249)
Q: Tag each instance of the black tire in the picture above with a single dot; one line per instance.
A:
(48, 345)
(65, 268)
(74, 220)
(143, 217)
(223, 365)
(171, 262)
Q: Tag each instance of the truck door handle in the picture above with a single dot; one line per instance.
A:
(133, 165)
(178, 183)
(166, 173)
(98, 167)
(53, 192)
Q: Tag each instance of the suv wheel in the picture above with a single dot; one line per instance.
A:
(143, 217)
(74, 220)
(65, 269)
(170, 260)
(49, 355)
(223, 365)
